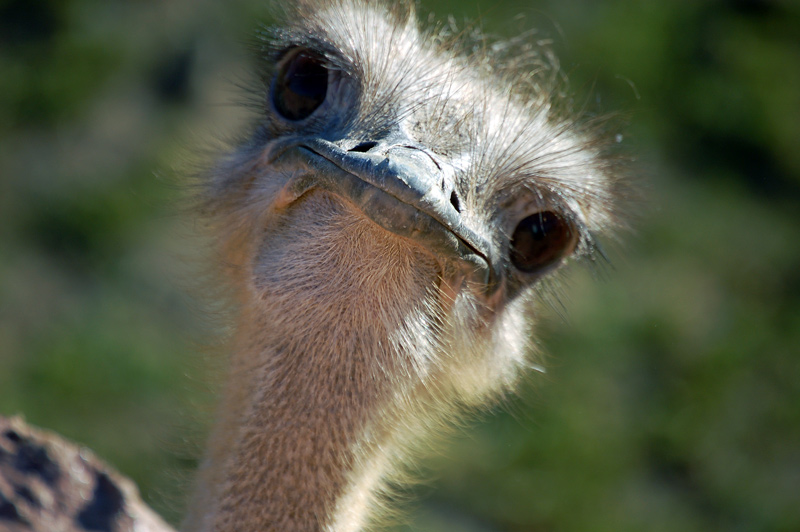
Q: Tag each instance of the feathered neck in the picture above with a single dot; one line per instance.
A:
(323, 371)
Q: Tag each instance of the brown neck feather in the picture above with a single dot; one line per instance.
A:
(326, 352)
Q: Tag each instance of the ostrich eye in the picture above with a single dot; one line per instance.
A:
(540, 241)
(300, 86)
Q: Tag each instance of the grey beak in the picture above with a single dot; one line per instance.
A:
(399, 187)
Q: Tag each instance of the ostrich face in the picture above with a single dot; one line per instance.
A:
(407, 186)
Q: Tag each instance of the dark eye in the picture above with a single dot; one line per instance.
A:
(540, 241)
(300, 86)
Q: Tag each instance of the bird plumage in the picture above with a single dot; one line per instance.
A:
(385, 227)
(358, 337)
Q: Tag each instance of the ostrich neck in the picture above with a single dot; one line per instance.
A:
(302, 432)
(321, 366)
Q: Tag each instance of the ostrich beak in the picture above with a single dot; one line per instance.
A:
(401, 188)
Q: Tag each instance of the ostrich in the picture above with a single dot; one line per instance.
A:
(386, 229)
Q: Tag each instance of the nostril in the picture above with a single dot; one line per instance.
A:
(364, 147)
(454, 201)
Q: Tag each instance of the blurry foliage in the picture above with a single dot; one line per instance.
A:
(672, 398)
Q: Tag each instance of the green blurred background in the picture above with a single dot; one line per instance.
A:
(672, 397)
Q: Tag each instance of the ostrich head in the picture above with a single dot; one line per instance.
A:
(386, 227)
